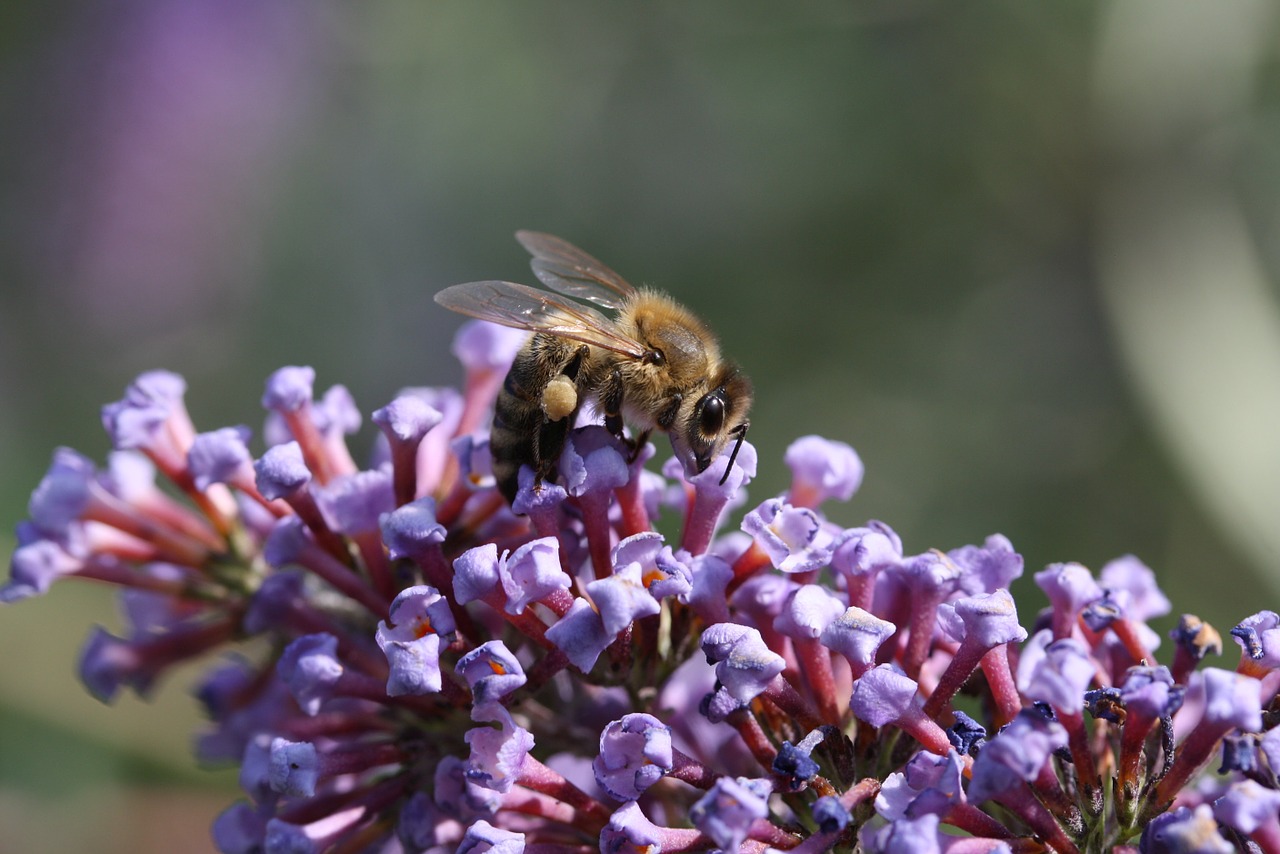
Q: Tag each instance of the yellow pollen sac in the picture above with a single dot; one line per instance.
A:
(650, 577)
(497, 668)
(423, 628)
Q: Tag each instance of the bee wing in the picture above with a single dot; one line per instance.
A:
(565, 268)
(523, 307)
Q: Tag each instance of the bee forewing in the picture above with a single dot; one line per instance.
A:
(523, 307)
(565, 268)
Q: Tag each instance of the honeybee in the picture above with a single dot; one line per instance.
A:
(654, 364)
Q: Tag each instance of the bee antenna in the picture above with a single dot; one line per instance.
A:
(741, 430)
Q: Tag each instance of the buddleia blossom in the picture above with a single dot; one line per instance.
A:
(399, 661)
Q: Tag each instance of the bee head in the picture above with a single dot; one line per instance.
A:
(706, 426)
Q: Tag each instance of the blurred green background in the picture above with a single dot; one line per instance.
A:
(1022, 256)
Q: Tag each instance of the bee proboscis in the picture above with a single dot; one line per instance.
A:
(653, 364)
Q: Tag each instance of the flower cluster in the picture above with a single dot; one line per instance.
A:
(401, 662)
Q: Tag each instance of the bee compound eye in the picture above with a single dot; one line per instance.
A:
(711, 418)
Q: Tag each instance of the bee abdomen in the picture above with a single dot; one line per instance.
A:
(511, 441)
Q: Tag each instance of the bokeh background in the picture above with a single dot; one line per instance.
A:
(1023, 256)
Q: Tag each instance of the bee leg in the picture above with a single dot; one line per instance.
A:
(611, 403)
(559, 398)
(639, 443)
(559, 405)
(667, 416)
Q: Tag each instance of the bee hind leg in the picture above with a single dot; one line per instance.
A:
(559, 404)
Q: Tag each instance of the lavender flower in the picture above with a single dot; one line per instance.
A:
(431, 671)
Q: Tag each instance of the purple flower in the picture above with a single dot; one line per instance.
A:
(672, 575)
(710, 576)
(484, 838)
(289, 389)
(992, 566)
(1232, 700)
(743, 663)
(726, 811)
(860, 550)
(1016, 754)
(795, 761)
(857, 635)
(240, 828)
(294, 768)
(538, 499)
(351, 504)
(1259, 639)
(990, 619)
(635, 753)
(280, 472)
(497, 755)
(107, 662)
(475, 573)
(883, 696)
(641, 550)
(792, 537)
(406, 419)
(713, 490)
(153, 400)
(1151, 692)
(311, 668)
(411, 530)
(927, 784)
(630, 832)
(1061, 675)
(822, 469)
(1185, 831)
(487, 346)
(491, 671)
(830, 815)
(1139, 582)
(64, 492)
(1069, 587)
(915, 835)
(1248, 806)
(531, 572)
(411, 640)
(221, 456)
(476, 460)
(580, 634)
(34, 567)
(807, 612)
(594, 462)
(622, 598)
(459, 795)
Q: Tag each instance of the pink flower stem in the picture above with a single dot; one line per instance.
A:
(534, 775)
(691, 771)
(1004, 689)
(965, 660)
(815, 669)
